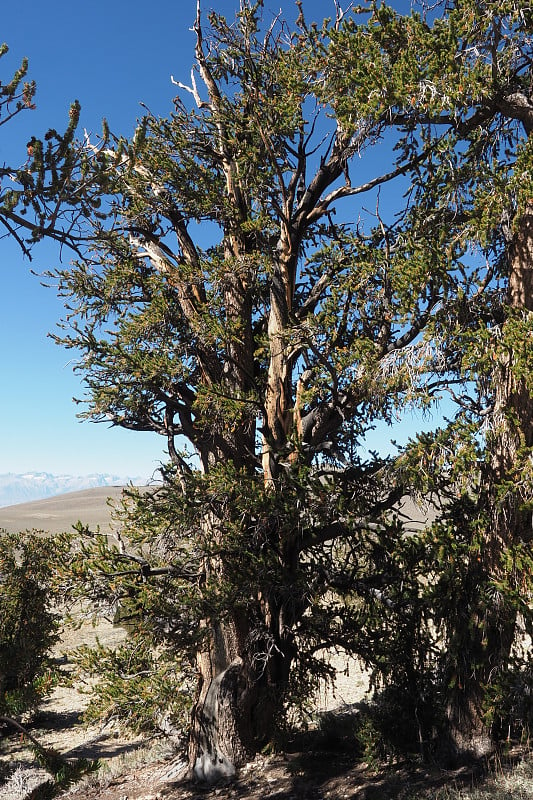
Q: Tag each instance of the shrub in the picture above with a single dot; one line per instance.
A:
(142, 687)
(29, 623)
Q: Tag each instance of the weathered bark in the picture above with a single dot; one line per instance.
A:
(242, 676)
(219, 741)
(486, 635)
(243, 670)
(481, 644)
(278, 393)
(469, 738)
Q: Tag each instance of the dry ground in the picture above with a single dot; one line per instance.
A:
(149, 768)
(136, 769)
(311, 768)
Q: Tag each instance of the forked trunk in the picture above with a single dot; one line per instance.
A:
(236, 708)
(242, 677)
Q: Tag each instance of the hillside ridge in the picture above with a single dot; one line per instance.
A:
(59, 513)
(28, 486)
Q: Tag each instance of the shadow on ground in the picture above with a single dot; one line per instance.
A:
(102, 746)
(320, 774)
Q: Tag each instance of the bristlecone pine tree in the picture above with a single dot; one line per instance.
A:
(239, 298)
(476, 190)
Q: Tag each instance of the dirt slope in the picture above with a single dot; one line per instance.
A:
(59, 514)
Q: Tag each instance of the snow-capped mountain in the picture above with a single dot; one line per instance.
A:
(38, 485)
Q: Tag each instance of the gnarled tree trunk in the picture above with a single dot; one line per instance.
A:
(220, 737)
(487, 632)
(243, 672)
(242, 677)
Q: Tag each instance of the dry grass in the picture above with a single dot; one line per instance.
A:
(511, 783)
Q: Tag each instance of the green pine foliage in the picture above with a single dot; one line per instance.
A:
(237, 297)
(18, 93)
(138, 685)
(36, 199)
(30, 619)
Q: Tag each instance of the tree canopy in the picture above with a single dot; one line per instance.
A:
(36, 197)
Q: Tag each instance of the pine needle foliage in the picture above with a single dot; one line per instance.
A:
(30, 620)
(36, 194)
(238, 298)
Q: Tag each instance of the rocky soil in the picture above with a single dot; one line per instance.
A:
(133, 768)
(313, 766)
(59, 726)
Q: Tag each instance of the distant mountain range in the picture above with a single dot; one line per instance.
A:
(30, 486)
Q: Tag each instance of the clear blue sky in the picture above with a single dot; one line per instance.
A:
(110, 56)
